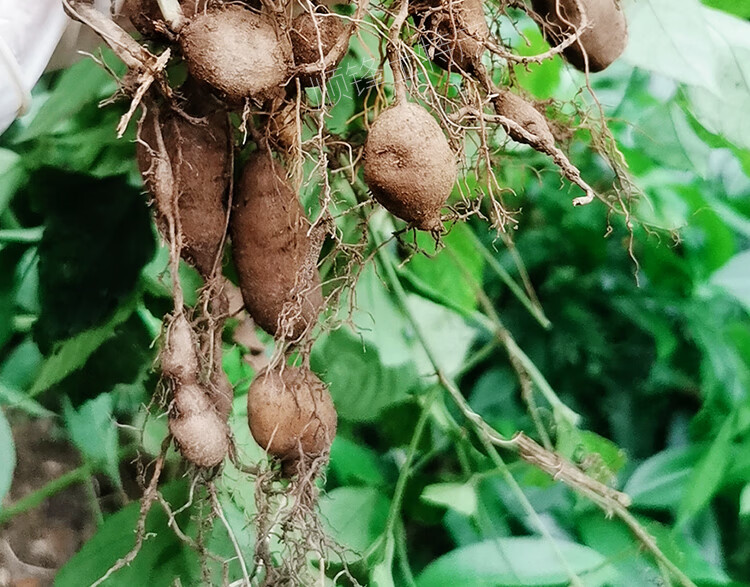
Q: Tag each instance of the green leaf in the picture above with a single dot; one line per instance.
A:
(361, 384)
(707, 50)
(734, 277)
(614, 540)
(72, 354)
(97, 238)
(21, 365)
(440, 270)
(356, 516)
(83, 83)
(18, 400)
(93, 430)
(522, 561)
(708, 474)
(739, 8)
(460, 497)
(448, 335)
(601, 457)
(660, 481)
(541, 79)
(354, 463)
(14, 175)
(163, 559)
(7, 457)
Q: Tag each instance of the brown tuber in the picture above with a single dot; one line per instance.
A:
(190, 161)
(291, 413)
(238, 52)
(147, 17)
(409, 166)
(453, 32)
(275, 258)
(530, 126)
(312, 34)
(602, 42)
(199, 429)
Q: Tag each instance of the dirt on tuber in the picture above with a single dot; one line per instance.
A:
(409, 165)
(185, 166)
(313, 36)
(240, 53)
(453, 32)
(200, 431)
(291, 413)
(601, 43)
(274, 255)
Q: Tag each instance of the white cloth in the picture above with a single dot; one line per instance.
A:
(30, 30)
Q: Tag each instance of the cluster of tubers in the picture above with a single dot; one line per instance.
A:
(239, 57)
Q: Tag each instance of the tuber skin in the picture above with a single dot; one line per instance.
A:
(199, 428)
(291, 413)
(453, 32)
(195, 161)
(147, 17)
(602, 42)
(240, 53)
(308, 40)
(409, 166)
(275, 257)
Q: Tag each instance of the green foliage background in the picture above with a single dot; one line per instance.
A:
(654, 357)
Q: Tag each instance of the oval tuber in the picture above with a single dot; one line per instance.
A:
(238, 52)
(291, 413)
(274, 256)
(409, 166)
(602, 42)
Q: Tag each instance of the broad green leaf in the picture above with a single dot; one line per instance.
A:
(97, 238)
(83, 83)
(707, 50)
(660, 482)
(162, 560)
(519, 561)
(13, 175)
(156, 276)
(72, 354)
(685, 554)
(93, 430)
(614, 540)
(7, 456)
(448, 336)
(356, 516)
(541, 79)
(378, 320)
(739, 8)
(21, 365)
(745, 501)
(19, 400)
(355, 463)
(708, 474)
(602, 458)
(461, 497)
(441, 270)
(362, 386)
(734, 277)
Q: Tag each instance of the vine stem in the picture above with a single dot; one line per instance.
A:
(406, 468)
(400, 294)
(536, 311)
(399, 84)
(611, 501)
